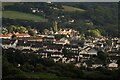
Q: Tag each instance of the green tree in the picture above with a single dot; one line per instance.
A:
(59, 36)
(46, 31)
(102, 56)
(21, 29)
(93, 33)
(11, 29)
(31, 32)
(27, 67)
(55, 26)
(39, 68)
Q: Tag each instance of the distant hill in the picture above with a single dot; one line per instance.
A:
(22, 16)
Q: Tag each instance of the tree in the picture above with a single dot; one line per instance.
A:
(31, 32)
(27, 67)
(21, 29)
(59, 36)
(46, 31)
(102, 56)
(93, 33)
(11, 29)
(55, 26)
(13, 36)
(39, 68)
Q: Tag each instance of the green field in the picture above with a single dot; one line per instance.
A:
(22, 16)
(47, 76)
(72, 9)
(8, 3)
(41, 75)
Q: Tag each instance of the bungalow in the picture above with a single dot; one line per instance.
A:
(5, 36)
(53, 47)
(99, 45)
(6, 43)
(112, 65)
(44, 54)
(49, 39)
(22, 35)
(56, 59)
(72, 48)
(36, 45)
(92, 52)
(78, 64)
(66, 41)
(69, 60)
(36, 39)
(81, 64)
(96, 64)
(23, 46)
(57, 54)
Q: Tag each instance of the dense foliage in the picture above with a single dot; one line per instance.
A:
(32, 66)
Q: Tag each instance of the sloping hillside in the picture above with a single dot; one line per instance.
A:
(22, 16)
(72, 9)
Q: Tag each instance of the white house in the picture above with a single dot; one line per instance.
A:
(113, 65)
(92, 52)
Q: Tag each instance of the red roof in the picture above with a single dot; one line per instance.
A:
(5, 35)
(22, 35)
(18, 35)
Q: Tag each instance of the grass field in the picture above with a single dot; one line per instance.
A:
(47, 76)
(72, 9)
(42, 75)
(8, 3)
(22, 16)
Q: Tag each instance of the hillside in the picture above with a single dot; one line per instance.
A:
(102, 16)
(8, 3)
(72, 9)
(22, 16)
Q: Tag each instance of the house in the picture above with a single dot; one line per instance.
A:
(8, 43)
(42, 53)
(57, 54)
(74, 41)
(5, 36)
(84, 57)
(70, 60)
(96, 65)
(81, 64)
(113, 53)
(56, 59)
(71, 21)
(78, 64)
(5, 43)
(8, 36)
(35, 39)
(22, 35)
(99, 45)
(112, 65)
(14, 43)
(64, 59)
(72, 48)
(65, 40)
(35, 10)
(49, 39)
(23, 46)
(54, 47)
(36, 45)
(87, 52)
(92, 52)
(27, 51)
